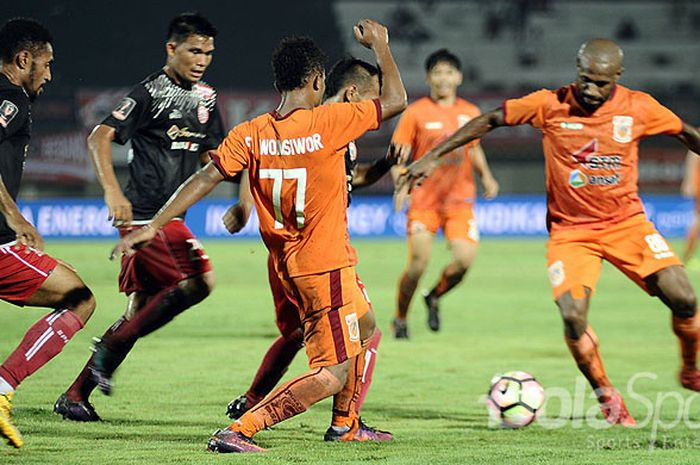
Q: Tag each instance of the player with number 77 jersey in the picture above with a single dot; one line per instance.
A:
(296, 165)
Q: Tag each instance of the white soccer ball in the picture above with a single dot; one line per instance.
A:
(514, 399)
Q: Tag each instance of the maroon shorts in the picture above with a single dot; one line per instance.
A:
(173, 255)
(23, 270)
(286, 307)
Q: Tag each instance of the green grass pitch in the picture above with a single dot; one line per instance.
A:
(172, 391)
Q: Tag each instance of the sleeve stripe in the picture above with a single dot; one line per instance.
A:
(378, 104)
(217, 162)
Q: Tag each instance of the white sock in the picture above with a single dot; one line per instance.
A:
(5, 387)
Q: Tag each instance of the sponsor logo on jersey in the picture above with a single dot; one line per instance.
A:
(202, 114)
(589, 157)
(595, 180)
(571, 126)
(622, 128)
(124, 109)
(175, 132)
(577, 179)
(8, 111)
(295, 146)
(463, 119)
(433, 125)
(175, 114)
(185, 145)
(353, 327)
(556, 273)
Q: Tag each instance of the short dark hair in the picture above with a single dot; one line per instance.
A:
(22, 34)
(442, 56)
(294, 60)
(350, 70)
(187, 24)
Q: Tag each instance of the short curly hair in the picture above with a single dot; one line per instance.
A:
(22, 34)
(295, 60)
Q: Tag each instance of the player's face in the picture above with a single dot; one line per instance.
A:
(595, 82)
(190, 58)
(443, 80)
(39, 72)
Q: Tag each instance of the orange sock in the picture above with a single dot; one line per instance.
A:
(688, 332)
(290, 399)
(344, 403)
(407, 287)
(585, 352)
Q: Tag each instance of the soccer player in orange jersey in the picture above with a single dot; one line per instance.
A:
(350, 80)
(295, 162)
(445, 199)
(691, 188)
(591, 132)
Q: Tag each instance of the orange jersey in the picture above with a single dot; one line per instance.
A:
(296, 167)
(424, 125)
(591, 159)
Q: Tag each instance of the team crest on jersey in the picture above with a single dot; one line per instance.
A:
(577, 179)
(202, 114)
(124, 109)
(8, 111)
(463, 119)
(622, 128)
(352, 151)
(353, 327)
(556, 273)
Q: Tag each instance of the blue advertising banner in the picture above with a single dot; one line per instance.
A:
(512, 215)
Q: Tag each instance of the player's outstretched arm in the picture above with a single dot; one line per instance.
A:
(26, 233)
(481, 166)
(690, 137)
(366, 174)
(100, 147)
(689, 181)
(375, 36)
(237, 216)
(195, 188)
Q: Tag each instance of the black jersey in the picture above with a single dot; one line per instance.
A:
(15, 130)
(169, 127)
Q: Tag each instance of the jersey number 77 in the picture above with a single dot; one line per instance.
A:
(278, 176)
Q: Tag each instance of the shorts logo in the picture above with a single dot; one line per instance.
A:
(8, 111)
(202, 114)
(622, 128)
(353, 327)
(473, 231)
(462, 120)
(556, 273)
(577, 179)
(124, 109)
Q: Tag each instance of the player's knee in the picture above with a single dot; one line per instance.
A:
(684, 304)
(80, 301)
(574, 319)
(339, 372)
(197, 288)
(417, 266)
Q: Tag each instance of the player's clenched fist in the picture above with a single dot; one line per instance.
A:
(370, 33)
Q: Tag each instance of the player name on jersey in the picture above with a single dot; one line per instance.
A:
(294, 146)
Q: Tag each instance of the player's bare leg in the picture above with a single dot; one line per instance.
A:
(463, 254)
(583, 345)
(73, 302)
(419, 246)
(75, 404)
(672, 286)
(346, 424)
(691, 239)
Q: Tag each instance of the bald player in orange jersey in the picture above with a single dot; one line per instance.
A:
(296, 168)
(445, 199)
(591, 131)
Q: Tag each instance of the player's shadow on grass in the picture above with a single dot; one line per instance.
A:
(473, 421)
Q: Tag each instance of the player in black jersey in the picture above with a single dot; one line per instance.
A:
(28, 276)
(350, 80)
(172, 121)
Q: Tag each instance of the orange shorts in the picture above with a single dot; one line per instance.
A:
(634, 246)
(330, 305)
(456, 223)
